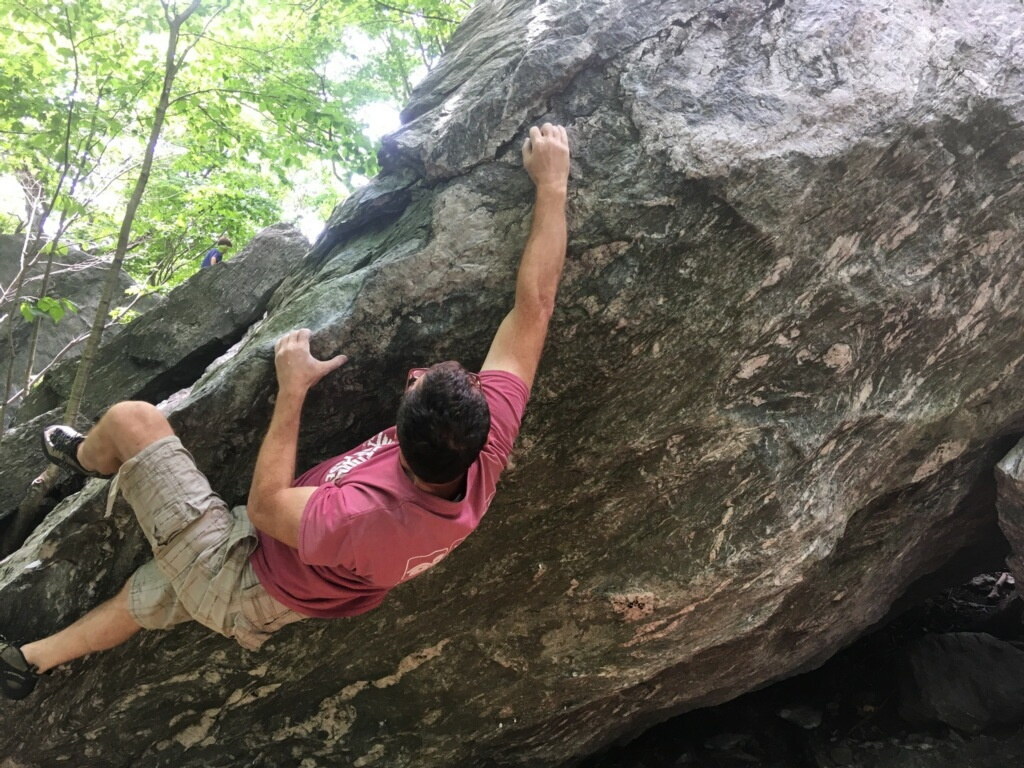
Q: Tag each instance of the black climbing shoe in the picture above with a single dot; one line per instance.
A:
(17, 677)
(60, 445)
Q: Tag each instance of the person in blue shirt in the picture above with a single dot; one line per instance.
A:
(215, 255)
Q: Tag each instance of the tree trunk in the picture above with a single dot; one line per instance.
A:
(45, 482)
(29, 253)
(34, 342)
(171, 67)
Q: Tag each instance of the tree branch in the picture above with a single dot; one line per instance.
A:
(416, 14)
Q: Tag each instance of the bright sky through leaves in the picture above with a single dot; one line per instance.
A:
(276, 114)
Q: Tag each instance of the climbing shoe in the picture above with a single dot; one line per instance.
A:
(17, 677)
(60, 444)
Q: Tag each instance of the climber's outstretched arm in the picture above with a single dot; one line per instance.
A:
(518, 344)
(274, 507)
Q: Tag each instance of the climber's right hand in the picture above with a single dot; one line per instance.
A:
(297, 369)
(546, 157)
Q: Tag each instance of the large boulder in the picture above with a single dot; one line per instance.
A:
(157, 355)
(968, 680)
(1010, 502)
(74, 275)
(199, 321)
(785, 361)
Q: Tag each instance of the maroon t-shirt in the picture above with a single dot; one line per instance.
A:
(367, 527)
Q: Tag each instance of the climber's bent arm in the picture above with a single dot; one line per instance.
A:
(274, 506)
(518, 344)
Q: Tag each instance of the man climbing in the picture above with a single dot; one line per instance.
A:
(215, 255)
(333, 542)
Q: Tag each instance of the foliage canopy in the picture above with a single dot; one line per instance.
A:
(267, 111)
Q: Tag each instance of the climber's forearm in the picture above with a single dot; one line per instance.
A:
(275, 464)
(540, 269)
(275, 508)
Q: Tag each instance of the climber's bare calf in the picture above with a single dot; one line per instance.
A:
(105, 626)
(123, 431)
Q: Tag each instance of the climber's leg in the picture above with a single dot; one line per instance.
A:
(124, 430)
(105, 626)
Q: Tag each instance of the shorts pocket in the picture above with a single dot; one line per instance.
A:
(261, 610)
(172, 519)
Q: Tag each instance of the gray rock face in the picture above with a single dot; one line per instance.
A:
(199, 320)
(785, 361)
(968, 680)
(1010, 501)
(157, 355)
(77, 277)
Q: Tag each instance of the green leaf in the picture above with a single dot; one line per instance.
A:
(52, 308)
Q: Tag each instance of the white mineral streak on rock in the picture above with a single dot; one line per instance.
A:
(412, 662)
(376, 753)
(780, 268)
(432, 716)
(448, 109)
(862, 397)
(333, 719)
(723, 528)
(749, 367)
(905, 228)
(408, 664)
(843, 248)
(938, 458)
(239, 697)
(838, 356)
(141, 691)
(805, 355)
(980, 301)
(666, 626)
(908, 386)
(1011, 369)
(540, 18)
(197, 733)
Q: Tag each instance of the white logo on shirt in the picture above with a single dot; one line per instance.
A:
(414, 566)
(353, 460)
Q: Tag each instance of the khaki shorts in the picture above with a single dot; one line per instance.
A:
(200, 569)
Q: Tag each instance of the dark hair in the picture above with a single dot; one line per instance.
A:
(443, 424)
(224, 241)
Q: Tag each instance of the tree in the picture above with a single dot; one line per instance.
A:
(268, 90)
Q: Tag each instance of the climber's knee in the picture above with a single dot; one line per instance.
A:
(133, 425)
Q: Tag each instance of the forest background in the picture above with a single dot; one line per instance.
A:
(140, 132)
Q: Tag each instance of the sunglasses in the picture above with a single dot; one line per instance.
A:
(415, 373)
